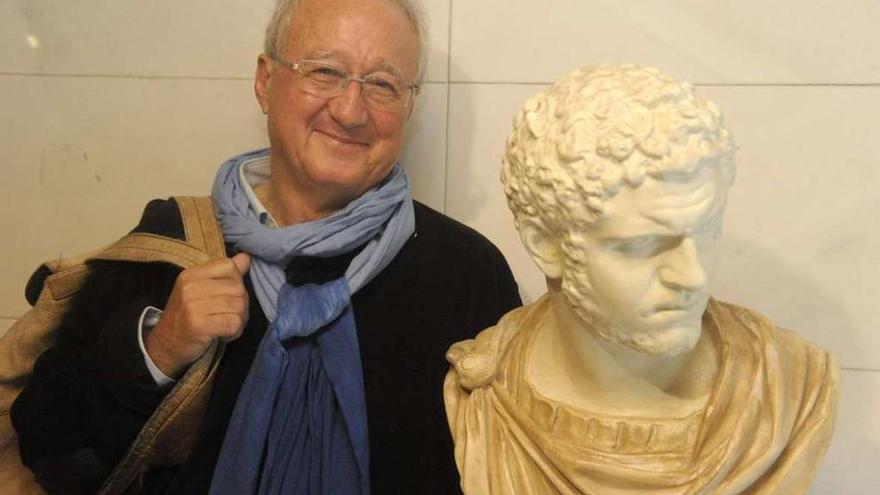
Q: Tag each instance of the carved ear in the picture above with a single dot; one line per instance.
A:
(543, 248)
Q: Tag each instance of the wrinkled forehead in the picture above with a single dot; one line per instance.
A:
(373, 32)
(673, 204)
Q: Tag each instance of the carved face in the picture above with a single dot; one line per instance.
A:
(639, 276)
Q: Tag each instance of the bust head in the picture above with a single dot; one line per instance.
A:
(617, 179)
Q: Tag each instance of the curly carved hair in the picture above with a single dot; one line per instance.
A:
(574, 145)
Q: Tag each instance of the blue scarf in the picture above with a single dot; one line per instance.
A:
(300, 422)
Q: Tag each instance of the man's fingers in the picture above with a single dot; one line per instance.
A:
(217, 268)
(242, 262)
(208, 301)
(229, 326)
(198, 291)
(207, 308)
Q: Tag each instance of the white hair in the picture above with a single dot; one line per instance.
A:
(278, 28)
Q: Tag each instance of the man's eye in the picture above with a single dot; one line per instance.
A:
(326, 74)
(383, 86)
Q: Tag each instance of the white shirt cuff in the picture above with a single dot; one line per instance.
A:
(149, 318)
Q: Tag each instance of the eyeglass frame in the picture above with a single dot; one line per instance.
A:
(414, 88)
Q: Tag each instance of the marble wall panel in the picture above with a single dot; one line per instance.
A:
(165, 38)
(424, 154)
(480, 117)
(850, 466)
(801, 243)
(437, 19)
(750, 41)
(159, 38)
(798, 243)
(81, 156)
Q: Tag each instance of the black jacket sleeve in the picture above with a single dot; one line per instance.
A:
(91, 392)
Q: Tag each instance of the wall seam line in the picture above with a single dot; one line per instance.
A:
(448, 106)
(703, 84)
(126, 76)
(147, 77)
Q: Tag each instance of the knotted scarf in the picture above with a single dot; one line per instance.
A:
(299, 425)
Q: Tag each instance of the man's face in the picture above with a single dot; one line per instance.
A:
(639, 276)
(337, 148)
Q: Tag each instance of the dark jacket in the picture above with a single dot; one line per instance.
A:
(91, 393)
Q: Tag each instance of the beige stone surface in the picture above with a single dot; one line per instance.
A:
(424, 152)
(161, 38)
(749, 41)
(800, 241)
(851, 464)
(85, 154)
(474, 194)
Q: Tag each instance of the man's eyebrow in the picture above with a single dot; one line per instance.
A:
(320, 55)
(387, 67)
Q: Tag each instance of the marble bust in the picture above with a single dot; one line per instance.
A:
(626, 376)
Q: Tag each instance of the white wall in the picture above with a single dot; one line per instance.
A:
(106, 104)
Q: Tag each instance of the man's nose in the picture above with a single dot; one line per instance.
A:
(683, 268)
(350, 107)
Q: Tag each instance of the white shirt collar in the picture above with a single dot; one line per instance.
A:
(253, 173)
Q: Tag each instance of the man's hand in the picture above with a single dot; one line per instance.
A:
(208, 301)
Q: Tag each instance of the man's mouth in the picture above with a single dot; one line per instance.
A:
(345, 139)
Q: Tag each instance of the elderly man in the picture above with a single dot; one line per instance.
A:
(626, 377)
(337, 302)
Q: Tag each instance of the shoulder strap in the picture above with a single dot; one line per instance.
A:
(200, 224)
(204, 239)
(170, 434)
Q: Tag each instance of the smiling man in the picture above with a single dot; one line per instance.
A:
(324, 329)
(627, 377)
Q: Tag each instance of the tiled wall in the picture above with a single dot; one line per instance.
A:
(107, 104)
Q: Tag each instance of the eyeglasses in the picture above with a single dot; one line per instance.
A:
(382, 91)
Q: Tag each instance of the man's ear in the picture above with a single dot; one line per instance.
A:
(261, 81)
(543, 247)
(412, 107)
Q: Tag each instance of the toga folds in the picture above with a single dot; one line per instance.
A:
(766, 426)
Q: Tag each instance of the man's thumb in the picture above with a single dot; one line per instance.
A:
(242, 262)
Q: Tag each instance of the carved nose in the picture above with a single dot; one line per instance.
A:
(682, 268)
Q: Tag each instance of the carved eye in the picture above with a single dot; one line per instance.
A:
(642, 246)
